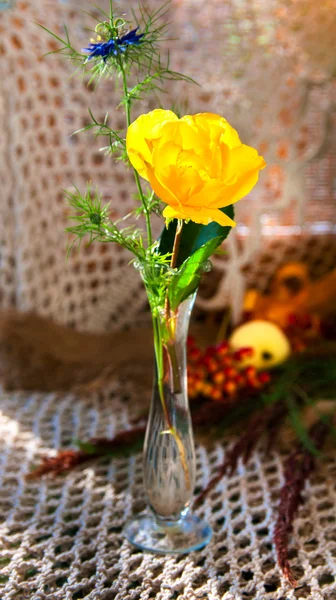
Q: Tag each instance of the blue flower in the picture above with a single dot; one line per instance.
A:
(114, 46)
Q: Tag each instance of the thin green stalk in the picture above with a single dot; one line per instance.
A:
(174, 367)
(136, 176)
(177, 242)
(169, 317)
(158, 346)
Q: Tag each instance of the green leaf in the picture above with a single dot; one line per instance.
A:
(187, 278)
(299, 427)
(327, 419)
(125, 449)
(86, 447)
(194, 236)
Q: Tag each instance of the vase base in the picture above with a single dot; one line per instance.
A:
(187, 535)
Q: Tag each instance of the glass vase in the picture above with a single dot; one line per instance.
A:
(168, 526)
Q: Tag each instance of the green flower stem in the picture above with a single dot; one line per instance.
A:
(174, 367)
(171, 318)
(159, 348)
(177, 241)
(165, 341)
(159, 357)
(136, 176)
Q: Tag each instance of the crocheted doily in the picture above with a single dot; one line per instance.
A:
(266, 66)
(61, 539)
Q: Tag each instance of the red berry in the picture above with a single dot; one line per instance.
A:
(227, 360)
(250, 371)
(210, 351)
(299, 345)
(195, 354)
(248, 352)
(264, 377)
(243, 353)
(191, 342)
(305, 321)
(211, 364)
(222, 348)
(230, 372)
(239, 380)
(201, 373)
(253, 382)
(292, 320)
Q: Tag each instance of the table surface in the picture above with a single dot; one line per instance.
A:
(61, 538)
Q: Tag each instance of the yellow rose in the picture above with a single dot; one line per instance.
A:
(196, 165)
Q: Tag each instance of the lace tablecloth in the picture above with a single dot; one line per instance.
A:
(61, 539)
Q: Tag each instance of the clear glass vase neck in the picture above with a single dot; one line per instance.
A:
(169, 451)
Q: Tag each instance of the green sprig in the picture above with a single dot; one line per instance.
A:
(116, 143)
(143, 62)
(67, 50)
(302, 381)
(143, 59)
(94, 223)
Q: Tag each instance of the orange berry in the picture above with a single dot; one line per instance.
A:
(219, 377)
(230, 388)
(216, 394)
(198, 386)
(207, 389)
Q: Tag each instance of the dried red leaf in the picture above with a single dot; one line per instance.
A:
(122, 440)
(256, 427)
(297, 469)
(65, 460)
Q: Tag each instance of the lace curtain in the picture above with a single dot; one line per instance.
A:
(268, 67)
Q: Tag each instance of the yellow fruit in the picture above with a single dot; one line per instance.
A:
(270, 345)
